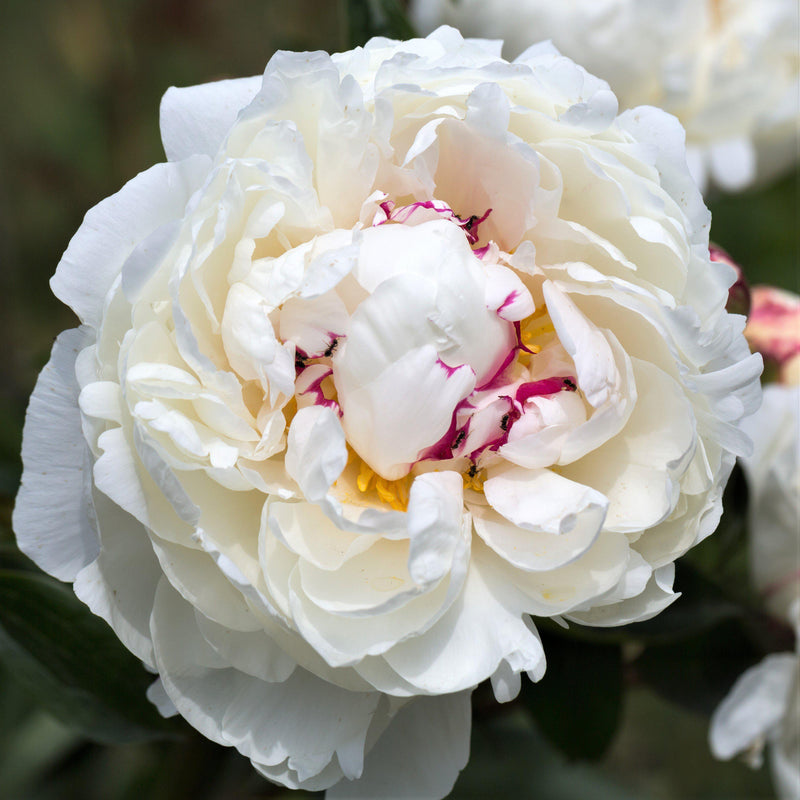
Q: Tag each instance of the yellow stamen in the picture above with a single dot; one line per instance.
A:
(393, 493)
(532, 331)
(527, 338)
(366, 477)
(474, 479)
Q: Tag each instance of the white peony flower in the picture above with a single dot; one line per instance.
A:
(763, 707)
(401, 348)
(773, 479)
(728, 69)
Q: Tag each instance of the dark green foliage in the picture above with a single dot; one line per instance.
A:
(577, 704)
(72, 662)
(363, 19)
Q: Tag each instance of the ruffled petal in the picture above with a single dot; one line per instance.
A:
(114, 227)
(53, 516)
(262, 720)
(419, 756)
(196, 119)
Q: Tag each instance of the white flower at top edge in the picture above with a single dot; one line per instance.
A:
(728, 69)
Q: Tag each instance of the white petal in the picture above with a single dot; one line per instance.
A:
(435, 525)
(199, 580)
(121, 584)
(419, 756)
(507, 294)
(408, 407)
(647, 593)
(733, 163)
(251, 345)
(251, 652)
(535, 551)
(427, 288)
(316, 453)
(53, 518)
(196, 119)
(313, 324)
(638, 470)
(346, 640)
(559, 590)
(292, 729)
(114, 227)
(157, 695)
(541, 500)
(115, 474)
(307, 532)
(652, 126)
(480, 630)
(755, 705)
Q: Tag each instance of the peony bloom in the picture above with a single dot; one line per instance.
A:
(401, 348)
(728, 69)
(763, 707)
(773, 478)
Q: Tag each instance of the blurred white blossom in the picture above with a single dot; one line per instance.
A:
(764, 705)
(728, 69)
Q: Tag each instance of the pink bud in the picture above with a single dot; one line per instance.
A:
(739, 293)
(773, 329)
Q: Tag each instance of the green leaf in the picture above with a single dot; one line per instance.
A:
(698, 672)
(72, 662)
(510, 758)
(578, 702)
(363, 19)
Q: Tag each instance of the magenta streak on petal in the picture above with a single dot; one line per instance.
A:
(507, 421)
(520, 345)
(480, 252)
(451, 370)
(512, 296)
(403, 213)
(315, 387)
(470, 226)
(545, 386)
(443, 448)
(497, 379)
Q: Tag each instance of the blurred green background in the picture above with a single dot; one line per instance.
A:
(80, 84)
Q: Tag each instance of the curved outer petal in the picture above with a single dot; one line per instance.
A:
(114, 227)
(53, 515)
(196, 119)
(480, 631)
(773, 476)
(257, 717)
(419, 756)
(316, 452)
(120, 584)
